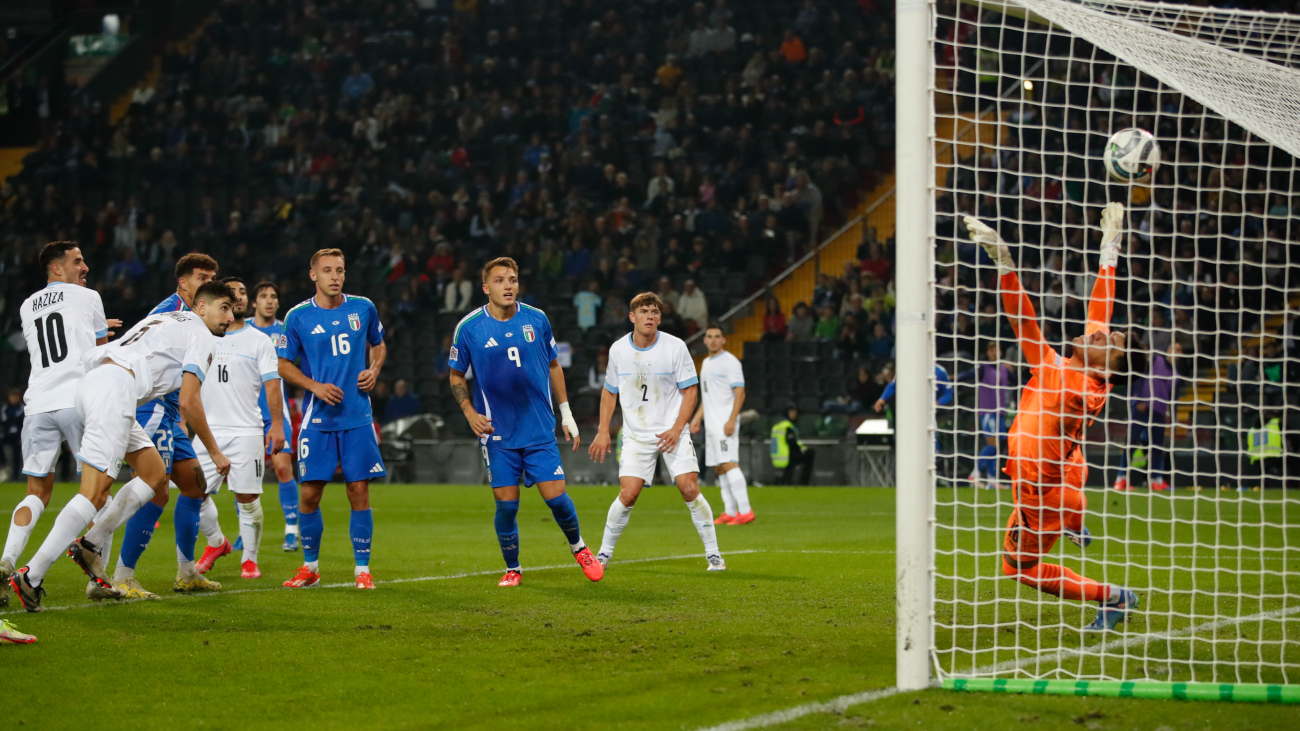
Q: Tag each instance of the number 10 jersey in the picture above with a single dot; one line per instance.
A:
(60, 324)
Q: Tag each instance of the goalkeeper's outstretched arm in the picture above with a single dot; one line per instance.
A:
(1102, 303)
(1018, 308)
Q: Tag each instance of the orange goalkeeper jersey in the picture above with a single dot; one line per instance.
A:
(1045, 443)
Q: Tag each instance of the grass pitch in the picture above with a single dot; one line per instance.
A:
(803, 614)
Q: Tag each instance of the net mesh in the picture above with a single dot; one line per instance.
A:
(1203, 290)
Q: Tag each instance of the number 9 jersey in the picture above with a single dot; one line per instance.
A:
(60, 324)
(329, 346)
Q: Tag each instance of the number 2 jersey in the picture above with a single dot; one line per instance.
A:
(243, 360)
(329, 346)
(649, 383)
(60, 324)
(511, 362)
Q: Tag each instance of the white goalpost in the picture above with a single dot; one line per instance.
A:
(1191, 493)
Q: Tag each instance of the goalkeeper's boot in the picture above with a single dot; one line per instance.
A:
(715, 562)
(193, 583)
(304, 578)
(1159, 484)
(210, 556)
(1113, 611)
(591, 568)
(512, 578)
(6, 570)
(1081, 538)
(29, 596)
(10, 633)
(85, 556)
(365, 580)
(131, 589)
(249, 570)
(743, 518)
(724, 519)
(1122, 484)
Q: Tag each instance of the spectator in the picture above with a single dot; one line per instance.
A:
(401, 404)
(596, 373)
(859, 391)
(458, 294)
(358, 83)
(792, 48)
(587, 303)
(11, 421)
(828, 325)
(442, 366)
(667, 293)
(693, 308)
(882, 343)
(671, 322)
(773, 320)
(578, 260)
(802, 324)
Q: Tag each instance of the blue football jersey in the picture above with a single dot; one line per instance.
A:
(172, 401)
(511, 364)
(273, 331)
(330, 347)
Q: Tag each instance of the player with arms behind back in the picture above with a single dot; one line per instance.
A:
(266, 304)
(1045, 445)
(244, 362)
(60, 323)
(651, 374)
(511, 350)
(333, 348)
(722, 386)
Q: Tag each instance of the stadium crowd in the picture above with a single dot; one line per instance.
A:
(688, 148)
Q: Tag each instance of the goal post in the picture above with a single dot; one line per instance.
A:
(1192, 486)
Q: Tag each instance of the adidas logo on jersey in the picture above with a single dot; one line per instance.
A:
(559, 471)
(318, 331)
(491, 342)
(377, 468)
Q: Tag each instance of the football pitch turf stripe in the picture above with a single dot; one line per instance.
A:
(350, 584)
(834, 705)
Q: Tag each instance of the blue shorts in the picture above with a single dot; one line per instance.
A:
(538, 463)
(165, 430)
(321, 453)
(992, 424)
(288, 436)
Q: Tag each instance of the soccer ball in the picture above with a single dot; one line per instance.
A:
(1132, 155)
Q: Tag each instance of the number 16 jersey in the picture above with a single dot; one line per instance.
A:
(330, 347)
(60, 324)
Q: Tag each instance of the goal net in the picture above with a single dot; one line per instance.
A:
(1192, 461)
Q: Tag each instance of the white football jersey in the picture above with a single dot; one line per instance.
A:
(718, 375)
(648, 383)
(243, 360)
(61, 324)
(160, 349)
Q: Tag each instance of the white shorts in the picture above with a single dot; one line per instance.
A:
(720, 448)
(247, 454)
(638, 458)
(43, 433)
(106, 407)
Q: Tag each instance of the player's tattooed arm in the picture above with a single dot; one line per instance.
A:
(481, 425)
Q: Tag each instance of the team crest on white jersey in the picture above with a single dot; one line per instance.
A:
(354, 321)
(529, 335)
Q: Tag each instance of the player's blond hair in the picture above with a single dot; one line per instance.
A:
(500, 261)
(326, 252)
(646, 299)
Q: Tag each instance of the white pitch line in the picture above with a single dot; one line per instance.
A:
(834, 705)
(443, 577)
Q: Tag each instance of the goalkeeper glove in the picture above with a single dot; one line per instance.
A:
(993, 244)
(1112, 220)
(566, 420)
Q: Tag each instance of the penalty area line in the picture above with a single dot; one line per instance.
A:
(834, 705)
(349, 584)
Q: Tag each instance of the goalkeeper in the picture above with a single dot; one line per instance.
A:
(1045, 445)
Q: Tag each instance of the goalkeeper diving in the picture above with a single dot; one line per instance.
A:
(1045, 444)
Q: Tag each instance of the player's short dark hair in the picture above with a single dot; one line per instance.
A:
(1133, 363)
(231, 280)
(186, 265)
(500, 261)
(55, 251)
(646, 299)
(266, 284)
(324, 253)
(213, 291)
(715, 325)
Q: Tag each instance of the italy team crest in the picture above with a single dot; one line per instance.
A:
(354, 321)
(529, 335)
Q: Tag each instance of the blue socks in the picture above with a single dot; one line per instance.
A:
(310, 526)
(988, 461)
(508, 531)
(289, 502)
(186, 519)
(566, 515)
(139, 529)
(361, 528)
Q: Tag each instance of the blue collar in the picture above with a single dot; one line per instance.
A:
(632, 342)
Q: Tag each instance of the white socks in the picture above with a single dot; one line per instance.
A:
(313, 565)
(106, 550)
(728, 501)
(208, 524)
(130, 498)
(250, 528)
(739, 491)
(702, 516)
(72, 520)
(19, 534)
(615, 522)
